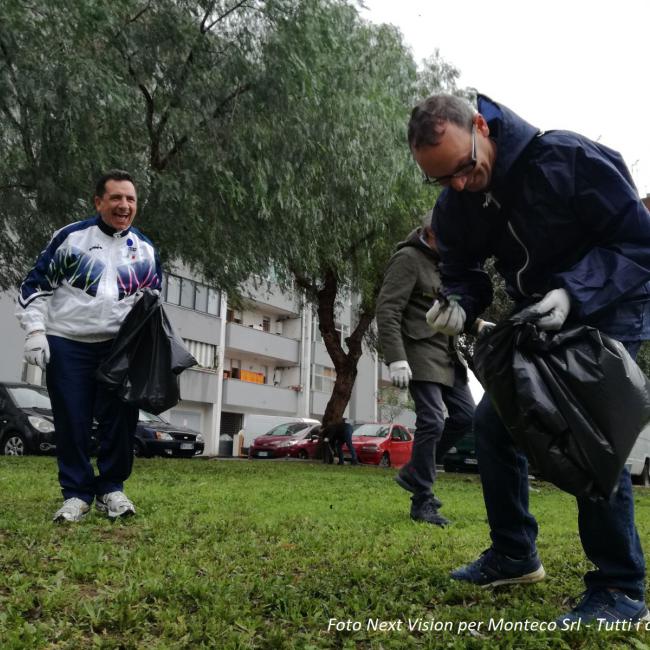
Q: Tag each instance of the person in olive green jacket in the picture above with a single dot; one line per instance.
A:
(428, 363)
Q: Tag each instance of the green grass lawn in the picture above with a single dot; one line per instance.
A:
(263, 554)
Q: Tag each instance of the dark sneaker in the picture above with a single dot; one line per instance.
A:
(428, 513)
(610, 606)
(403, 479)
(493, 569)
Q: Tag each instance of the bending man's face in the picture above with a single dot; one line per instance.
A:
(461, 160)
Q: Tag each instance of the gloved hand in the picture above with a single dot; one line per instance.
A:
(554, 308)
(400, 373)
(37, 349)
(446, 317)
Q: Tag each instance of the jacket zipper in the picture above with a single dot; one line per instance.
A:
(490, 198)
(526, 263)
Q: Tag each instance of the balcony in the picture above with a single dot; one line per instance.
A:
(262, 398)
(199, 386)
(249, 341)
(264, 295)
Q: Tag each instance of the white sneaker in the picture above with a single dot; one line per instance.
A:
(73, 509)
(115, 504)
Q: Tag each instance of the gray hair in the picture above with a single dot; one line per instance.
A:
(428, 118)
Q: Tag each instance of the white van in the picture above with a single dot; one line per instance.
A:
(638, 461)
(257, 425)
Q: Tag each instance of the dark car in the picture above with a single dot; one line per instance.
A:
(462, 456)
(290, 439)
(154, 436)
(26, 425)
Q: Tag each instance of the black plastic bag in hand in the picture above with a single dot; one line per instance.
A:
(146, 358)
(574, 401)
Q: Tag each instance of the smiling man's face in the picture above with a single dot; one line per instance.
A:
(118, 205)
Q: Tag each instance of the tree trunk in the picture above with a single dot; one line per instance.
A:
(345, 363)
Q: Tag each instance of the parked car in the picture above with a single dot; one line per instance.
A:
(291, 439)
(154, 436)
(27, 427)
(26, 424)
(382, 444)
(462, 456)
(255, 425)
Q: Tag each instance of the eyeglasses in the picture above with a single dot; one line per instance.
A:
(464, 170)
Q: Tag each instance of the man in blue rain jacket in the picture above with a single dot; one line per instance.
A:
(564, 222)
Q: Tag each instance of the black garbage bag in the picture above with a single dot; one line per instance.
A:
(146, 358)
(574, 401)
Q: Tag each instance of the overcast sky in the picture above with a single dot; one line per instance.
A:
(565, 64)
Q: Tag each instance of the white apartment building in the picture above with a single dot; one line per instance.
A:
(266, 357)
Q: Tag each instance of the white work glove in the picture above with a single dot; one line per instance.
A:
(400, 373)
(554, 308)
(37, 349)
(447, 317)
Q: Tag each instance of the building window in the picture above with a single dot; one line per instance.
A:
(323, 378)
(266, 324)
(214, 300)
(187, 293)
(190, 294)
(341, 331)
(173, 295)
(233, 316)
(201, 297)
(205, 353)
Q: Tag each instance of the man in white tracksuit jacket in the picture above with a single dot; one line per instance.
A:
(71, 305)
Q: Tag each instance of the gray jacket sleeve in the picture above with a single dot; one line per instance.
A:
(399, 280)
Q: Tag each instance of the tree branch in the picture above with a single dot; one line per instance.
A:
(137, 16)
(304, 282)
(15, 186)
(217, 20)
(325, 308)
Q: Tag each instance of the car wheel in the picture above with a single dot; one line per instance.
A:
(138, 449)
(13, 444)
(645, 474)
(385, 460)
(303, 454)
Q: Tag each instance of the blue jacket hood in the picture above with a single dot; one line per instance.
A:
(511, 133)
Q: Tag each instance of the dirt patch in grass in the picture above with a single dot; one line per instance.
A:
(117, 533)
(87, 591)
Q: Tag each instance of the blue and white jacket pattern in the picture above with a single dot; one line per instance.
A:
(85, 281)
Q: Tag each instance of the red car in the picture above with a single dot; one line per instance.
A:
(386, 445)
(292, 439)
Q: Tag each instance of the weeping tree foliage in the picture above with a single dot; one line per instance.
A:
(153, 87)
(336, 184)
(264, 135)
(54, 118)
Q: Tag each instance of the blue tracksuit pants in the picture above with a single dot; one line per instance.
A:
(77, 397)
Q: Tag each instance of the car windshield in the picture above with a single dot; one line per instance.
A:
(307, 433)
(29, 398)
(371, 431)
(150, 417)
(287, 429)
